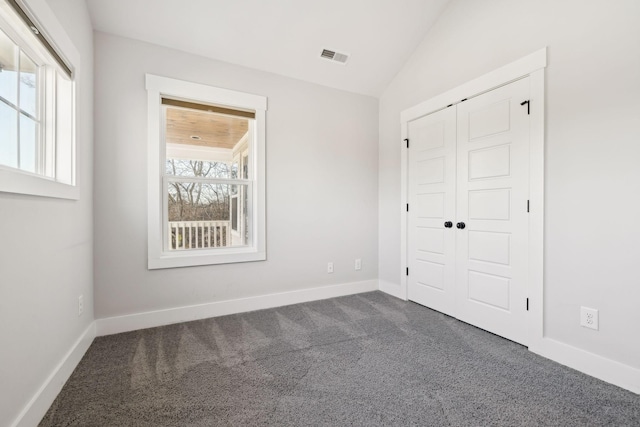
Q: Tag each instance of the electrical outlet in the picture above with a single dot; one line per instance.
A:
(589, 318)
(80, 305)
(358, 264)
(330, 267)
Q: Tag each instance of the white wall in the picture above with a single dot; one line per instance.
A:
(322, 162)
(46, 255)
(592, 232)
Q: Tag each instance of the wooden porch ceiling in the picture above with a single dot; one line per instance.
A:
(214, 130)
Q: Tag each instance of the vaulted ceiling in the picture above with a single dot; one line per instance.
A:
(283, 36)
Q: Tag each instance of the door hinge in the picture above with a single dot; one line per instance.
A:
(407, 271)
(464, 100)
(407, 207)
(407, 141)
(528, 105)
(527, 304)
(527, 206)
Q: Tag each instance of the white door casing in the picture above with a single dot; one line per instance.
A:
(468, 164)
(531, 66)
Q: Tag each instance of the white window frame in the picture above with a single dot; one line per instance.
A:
(18, 181)
(158, 256)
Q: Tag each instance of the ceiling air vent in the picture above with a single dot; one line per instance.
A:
(331, 55)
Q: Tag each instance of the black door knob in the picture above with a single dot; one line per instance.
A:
(448, 224)
(460, 225)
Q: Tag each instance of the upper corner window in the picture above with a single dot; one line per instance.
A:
(206, 175)
(36, 109)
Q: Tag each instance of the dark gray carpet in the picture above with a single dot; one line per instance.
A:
(366, 359)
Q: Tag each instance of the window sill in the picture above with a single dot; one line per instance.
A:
(193, 258)
(13, 181)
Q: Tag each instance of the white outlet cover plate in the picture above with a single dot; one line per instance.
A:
(589, 318)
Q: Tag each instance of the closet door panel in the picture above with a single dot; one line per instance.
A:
(492, 193)
(431, 179)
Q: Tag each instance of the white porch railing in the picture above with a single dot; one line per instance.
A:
(198, 234)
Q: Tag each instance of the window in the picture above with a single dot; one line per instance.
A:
(206, 154)
(37, 106)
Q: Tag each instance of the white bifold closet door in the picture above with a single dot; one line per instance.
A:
(467, 230)
(432, 201)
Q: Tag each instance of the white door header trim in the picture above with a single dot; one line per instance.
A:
(499, 77)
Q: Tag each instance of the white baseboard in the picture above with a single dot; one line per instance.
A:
(150, 319)
(393, 289)
(39, 404)
(600, 367)
(597, 366)
(608, 370)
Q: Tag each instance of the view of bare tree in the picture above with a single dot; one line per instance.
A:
(198, 201)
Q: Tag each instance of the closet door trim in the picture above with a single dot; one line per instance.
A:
(531, 66)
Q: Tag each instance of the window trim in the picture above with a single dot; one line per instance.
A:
(13, 180)
(158, 87)
(23, 13)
